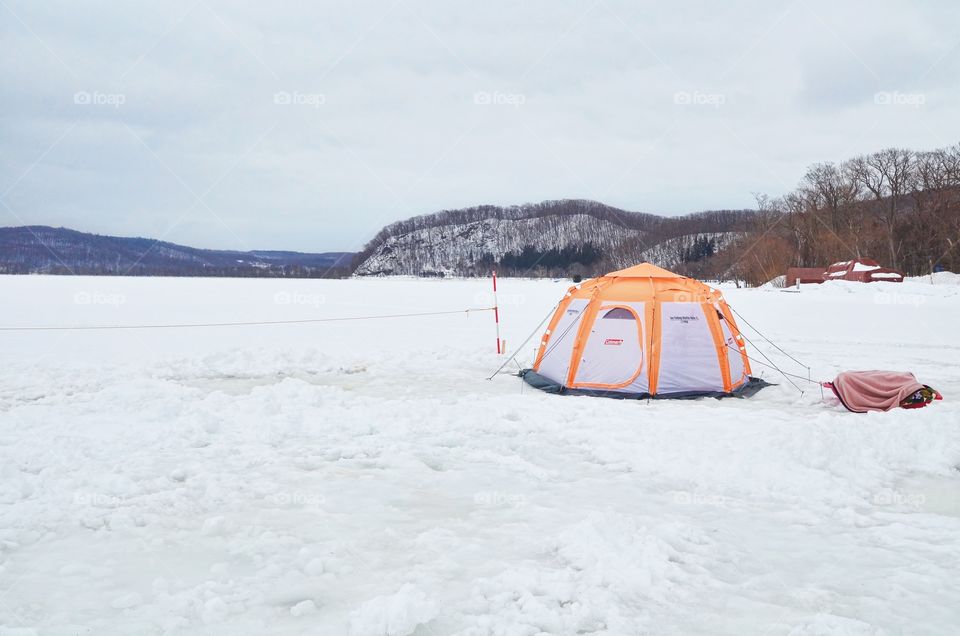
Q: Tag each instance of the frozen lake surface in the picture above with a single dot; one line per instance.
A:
(365, 478)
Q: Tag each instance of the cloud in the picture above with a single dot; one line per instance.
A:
(251, 125)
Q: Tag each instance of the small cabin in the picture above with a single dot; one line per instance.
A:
(804, 275)
(861, 270)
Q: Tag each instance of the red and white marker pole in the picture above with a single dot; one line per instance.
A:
(496, 313)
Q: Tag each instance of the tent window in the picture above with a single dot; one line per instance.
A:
(619, 313)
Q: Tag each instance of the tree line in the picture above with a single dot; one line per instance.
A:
(898, 206)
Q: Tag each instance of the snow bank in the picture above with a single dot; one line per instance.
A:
(937, 278)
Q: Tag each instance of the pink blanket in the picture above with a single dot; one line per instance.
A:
(862, 391)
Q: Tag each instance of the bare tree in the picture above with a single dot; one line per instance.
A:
(831, 190)
(887, 175)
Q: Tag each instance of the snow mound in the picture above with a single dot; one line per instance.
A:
(778, 282)
(937, 278)
(395, 614)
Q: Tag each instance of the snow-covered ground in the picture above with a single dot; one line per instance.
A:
(365, 477)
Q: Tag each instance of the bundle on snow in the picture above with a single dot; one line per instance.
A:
(862, 391)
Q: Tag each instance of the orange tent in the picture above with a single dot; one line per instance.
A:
(643, 332)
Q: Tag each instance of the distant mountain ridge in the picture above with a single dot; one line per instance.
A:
(898, 205)
(41, 249)
(562, 237)
(552, 238)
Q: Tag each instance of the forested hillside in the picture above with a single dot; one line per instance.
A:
(46, 250)
(552, 238)
(898, 206)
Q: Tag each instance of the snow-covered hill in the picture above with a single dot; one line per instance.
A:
(462, 248)
(674, 251)
(560, 237)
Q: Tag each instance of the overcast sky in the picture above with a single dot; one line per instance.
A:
(273, 125)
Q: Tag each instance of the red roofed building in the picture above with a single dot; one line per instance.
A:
(861, 270)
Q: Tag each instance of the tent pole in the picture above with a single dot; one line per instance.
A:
(496, 313)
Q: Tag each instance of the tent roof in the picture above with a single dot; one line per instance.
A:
(644, 270)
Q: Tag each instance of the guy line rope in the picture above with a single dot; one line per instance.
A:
(240, 324)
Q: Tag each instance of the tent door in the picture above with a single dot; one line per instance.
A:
(612, 357)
